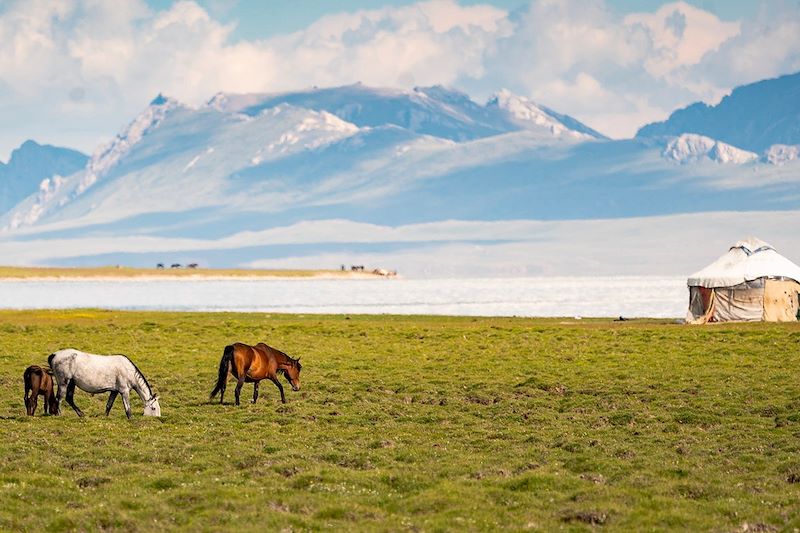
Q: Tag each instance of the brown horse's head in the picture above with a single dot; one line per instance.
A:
(291, 370)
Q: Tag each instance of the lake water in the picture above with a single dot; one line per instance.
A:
(542, 297)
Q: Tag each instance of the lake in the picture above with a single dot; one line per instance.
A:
(656, 297)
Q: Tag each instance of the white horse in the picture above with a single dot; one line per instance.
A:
(101, 373)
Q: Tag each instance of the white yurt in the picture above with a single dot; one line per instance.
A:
(751, 282)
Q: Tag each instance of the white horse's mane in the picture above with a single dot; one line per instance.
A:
(139, 376)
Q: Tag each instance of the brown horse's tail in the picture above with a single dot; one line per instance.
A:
(224, 363)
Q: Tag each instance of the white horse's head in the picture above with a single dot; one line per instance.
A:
(152, 407)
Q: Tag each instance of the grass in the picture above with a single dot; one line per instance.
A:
(131, 272)
(413, 423)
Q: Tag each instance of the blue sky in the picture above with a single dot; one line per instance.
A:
(258, 19)
(74, 72)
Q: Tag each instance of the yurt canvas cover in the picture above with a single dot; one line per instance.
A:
(751, 282)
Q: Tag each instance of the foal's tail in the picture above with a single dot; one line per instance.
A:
(224, 363)
(27, 376)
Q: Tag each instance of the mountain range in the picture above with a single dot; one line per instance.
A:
(427, 181)
(753, 117)
(30, 165)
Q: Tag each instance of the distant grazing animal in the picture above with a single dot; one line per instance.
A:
(160, 265)
(192, 265)
(38, 381)
(101, 373)
(254, 363)
(175, 265)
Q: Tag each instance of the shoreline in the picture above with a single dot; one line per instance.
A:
(126, 274)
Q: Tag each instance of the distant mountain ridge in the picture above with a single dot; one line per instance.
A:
(435, 111)
(331, 172)
(753, 117)
(29, 165)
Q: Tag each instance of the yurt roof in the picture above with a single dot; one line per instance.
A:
(747, 260)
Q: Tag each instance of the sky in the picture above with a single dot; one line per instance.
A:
(75, 72)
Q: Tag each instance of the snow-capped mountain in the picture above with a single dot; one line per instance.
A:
(333, 171)
(236, 148)
(753, 117)
(172, 158)
(780, 154)
(692, 148)
(30, 166)
(434, 111)
(528, 115)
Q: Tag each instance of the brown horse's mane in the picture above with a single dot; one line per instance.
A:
(294, 362)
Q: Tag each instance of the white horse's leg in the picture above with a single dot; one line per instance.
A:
(70, 399)
(62, 391)
(126, 401)
(111, 398)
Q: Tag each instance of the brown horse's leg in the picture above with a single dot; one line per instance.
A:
(255, 391)
(239, 383)
(275, 380)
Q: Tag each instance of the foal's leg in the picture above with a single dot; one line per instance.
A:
(70, 393)
(126, 401)
(30, 401)
(255, 391)
(111, 398)
(277, 382)
(27, 398)
(48, 394)
(33, 401)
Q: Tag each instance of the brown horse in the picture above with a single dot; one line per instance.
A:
(38, 381)
(254, 363)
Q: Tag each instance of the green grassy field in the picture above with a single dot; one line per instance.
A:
(413, 423)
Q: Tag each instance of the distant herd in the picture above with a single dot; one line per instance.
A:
(118, 375)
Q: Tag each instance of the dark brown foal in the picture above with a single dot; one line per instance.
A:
(39, 381)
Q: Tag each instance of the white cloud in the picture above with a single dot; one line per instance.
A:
(767, 46)
(682, 34)
(73, 72)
